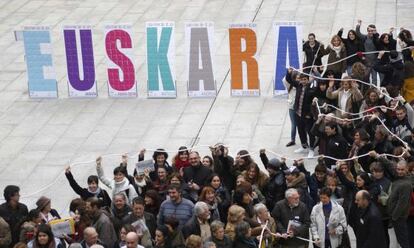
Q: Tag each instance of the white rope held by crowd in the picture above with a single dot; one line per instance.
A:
(355, 54)
(275, 153)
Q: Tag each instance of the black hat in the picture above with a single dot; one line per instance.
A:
(274, 164)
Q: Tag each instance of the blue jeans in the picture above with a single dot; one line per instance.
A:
(292, 124)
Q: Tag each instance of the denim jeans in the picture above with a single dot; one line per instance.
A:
(292, 124)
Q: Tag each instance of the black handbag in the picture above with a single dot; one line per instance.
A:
(345, 241)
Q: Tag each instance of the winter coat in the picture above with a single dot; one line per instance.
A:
(197, 174)
(124, 186)
(393, 72)
(223, 202)
(399, 198)
(149, 219)
(191, 227)
(335, 66)
(84, 193)
(222, 166)
(105, 229)
(353, 102)
(337, 220)
(368, 227)
(283, 213)
(336, 147)
(312, 54)
(352, 47)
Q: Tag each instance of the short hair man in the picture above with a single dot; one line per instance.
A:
(176, 206)
(366, 220)
(12, 211)
(101, 222)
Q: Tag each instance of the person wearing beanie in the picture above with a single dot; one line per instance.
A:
(46, 212)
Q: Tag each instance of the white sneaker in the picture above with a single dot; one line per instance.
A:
(311, 154)
(301, 150)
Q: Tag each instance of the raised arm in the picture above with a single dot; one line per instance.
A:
(101, 174)
(330, 93)
(72, 182)
(358, 30)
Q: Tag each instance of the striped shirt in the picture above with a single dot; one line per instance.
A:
(183, 211)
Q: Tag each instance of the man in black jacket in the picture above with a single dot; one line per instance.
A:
(274, 190)
(336, 145)
(196, 175)
(138, 213)
(366, 220)
(12, 211)
(293, 220)
(303, 102)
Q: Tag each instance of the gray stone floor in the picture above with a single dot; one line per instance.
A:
(39, 137)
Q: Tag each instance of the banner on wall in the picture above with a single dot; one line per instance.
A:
(288, 50)
(80, 61)
(160, 60)
(199, 48)
(120, 61)
(41, 76)
(243, 61)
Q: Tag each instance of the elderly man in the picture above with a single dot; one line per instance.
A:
(366, 220)
(132, 240)
(199, 223)
(262, 216)
(293, 220)
(90, 238)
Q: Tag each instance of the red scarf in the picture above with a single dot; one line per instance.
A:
(181, 164)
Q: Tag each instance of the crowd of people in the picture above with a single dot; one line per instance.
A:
(363, 178)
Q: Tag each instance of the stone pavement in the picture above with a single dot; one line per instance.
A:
(39, 137)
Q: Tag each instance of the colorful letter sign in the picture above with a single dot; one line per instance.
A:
(288, 49)
(80, 61)
(243, 63)
(40, 71)
(199, 47)
(160, 59)
(119, 51)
